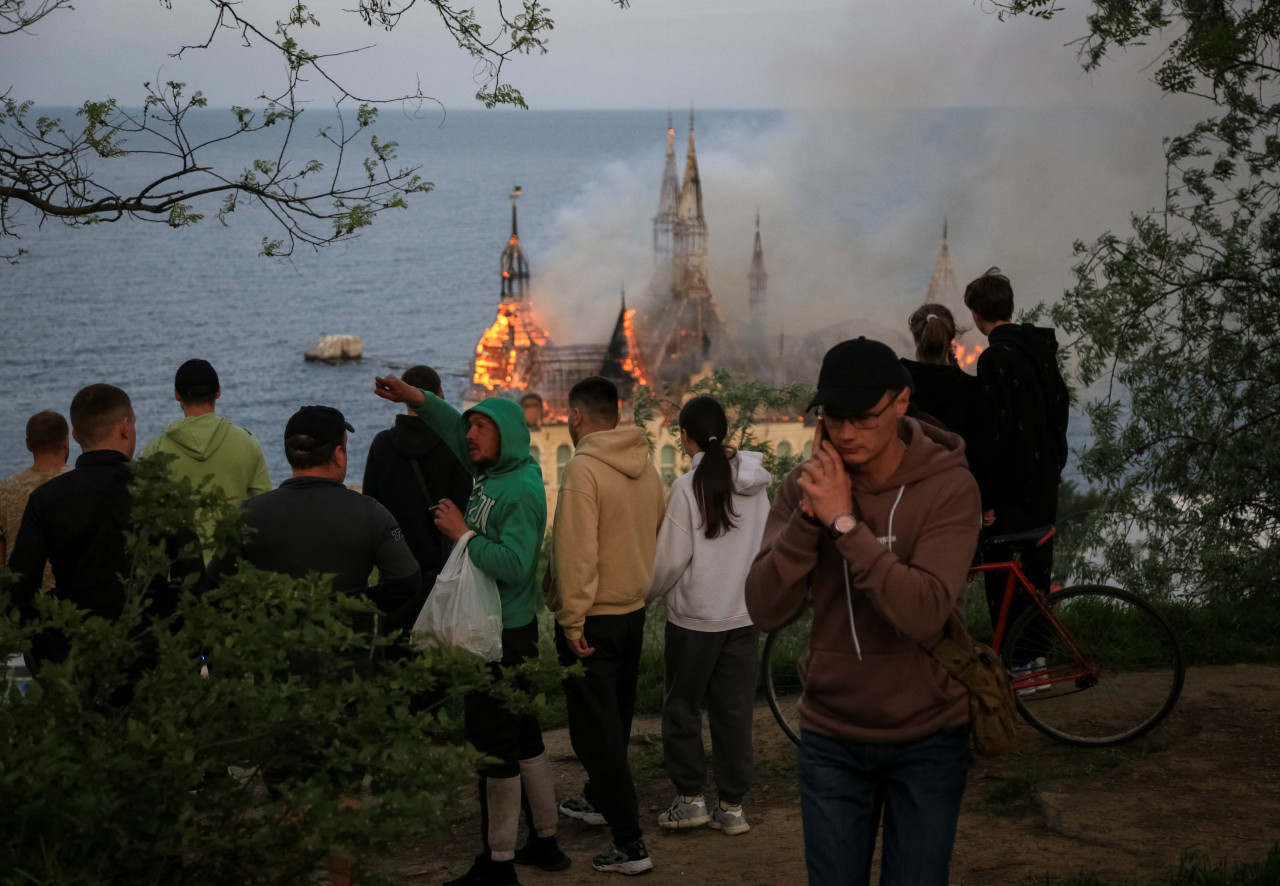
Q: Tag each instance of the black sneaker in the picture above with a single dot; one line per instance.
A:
(542, 852)
(487, 872)
(580, 808)
(629, 859)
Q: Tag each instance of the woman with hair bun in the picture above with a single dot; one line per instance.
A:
(941, 392)
(711, 533)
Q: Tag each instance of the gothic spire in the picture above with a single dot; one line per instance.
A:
(668, 199)
(514, 265)
(757, 282)
(690, 209)
(943, 289)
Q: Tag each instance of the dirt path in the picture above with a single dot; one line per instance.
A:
(1208, 781)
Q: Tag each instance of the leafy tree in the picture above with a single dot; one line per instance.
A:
(52, 169)
(1175, 321)
(167, 787)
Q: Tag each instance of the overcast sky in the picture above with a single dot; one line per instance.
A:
(656, 54)
(1079, 153)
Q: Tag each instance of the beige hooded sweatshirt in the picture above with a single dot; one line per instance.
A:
(606, 528)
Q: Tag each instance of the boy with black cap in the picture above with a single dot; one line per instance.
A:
(206, 444)
(876, 532)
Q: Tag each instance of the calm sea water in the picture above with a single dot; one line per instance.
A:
(126, 303)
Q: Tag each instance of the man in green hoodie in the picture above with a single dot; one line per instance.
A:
(208, 445)
(507, 511)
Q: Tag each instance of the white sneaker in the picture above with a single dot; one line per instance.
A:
(685, 812)
(730, 819)
(1035, 666)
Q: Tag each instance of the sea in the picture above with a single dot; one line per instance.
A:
(126, 302)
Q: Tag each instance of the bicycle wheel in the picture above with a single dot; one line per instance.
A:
(1111, 671)
(779, 674)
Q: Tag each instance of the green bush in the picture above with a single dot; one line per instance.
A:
(166, 786)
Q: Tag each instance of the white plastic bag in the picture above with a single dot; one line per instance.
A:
(464, 608)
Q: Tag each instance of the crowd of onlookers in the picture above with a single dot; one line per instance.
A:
(912, 460)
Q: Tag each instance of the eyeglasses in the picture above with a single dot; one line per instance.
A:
(865, 421)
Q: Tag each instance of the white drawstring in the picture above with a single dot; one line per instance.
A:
(848, 591)
(892, 511)
(848, 596)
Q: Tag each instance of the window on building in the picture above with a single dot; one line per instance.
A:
(668, 464)
(562, 458)
(808, 449)
(784, 449)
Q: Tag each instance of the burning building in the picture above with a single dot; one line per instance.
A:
(506, 354)
(684, 330)
(516, 354)
(678, 335)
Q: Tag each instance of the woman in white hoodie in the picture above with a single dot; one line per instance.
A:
(715, 519)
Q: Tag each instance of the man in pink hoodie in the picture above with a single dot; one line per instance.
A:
(876, 532)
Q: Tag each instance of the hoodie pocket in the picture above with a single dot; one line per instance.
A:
(883, 690)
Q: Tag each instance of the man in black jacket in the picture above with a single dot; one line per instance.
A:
(1029, 404)
(312, 523)
(408, 470)
(77, 523)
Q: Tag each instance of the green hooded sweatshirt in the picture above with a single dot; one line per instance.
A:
(211, 445)
(508, 505)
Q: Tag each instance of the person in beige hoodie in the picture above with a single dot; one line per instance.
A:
(876, 533)
(609, 510)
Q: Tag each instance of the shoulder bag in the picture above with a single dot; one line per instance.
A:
(992, 707)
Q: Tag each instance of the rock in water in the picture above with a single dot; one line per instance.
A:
(336, 349)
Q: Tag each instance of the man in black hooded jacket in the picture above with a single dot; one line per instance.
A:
(1029, 403)
(408, 470)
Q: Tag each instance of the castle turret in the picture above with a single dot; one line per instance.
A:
(507, 352)
(690, 234)
(514, 266)
(668, 204)
(943, 289)
(757, 281)
(687, 329)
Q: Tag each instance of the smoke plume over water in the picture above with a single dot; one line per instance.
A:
(852, 205)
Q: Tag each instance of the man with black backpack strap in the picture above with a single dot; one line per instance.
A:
(1029, 403)
(409, 469)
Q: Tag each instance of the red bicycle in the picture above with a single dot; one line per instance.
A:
(1092, 665)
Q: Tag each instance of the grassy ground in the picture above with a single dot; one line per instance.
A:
(1195, 871)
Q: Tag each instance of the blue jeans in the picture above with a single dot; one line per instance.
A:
(845, 787)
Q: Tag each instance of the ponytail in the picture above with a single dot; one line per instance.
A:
(934, 331)
(703, 419)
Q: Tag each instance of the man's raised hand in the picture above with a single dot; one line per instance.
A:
(398, 391)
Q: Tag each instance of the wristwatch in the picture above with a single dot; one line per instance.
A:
(843, 523)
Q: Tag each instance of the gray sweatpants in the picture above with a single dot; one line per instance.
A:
(715, 670)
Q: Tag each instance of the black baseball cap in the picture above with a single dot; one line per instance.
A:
(324, 424)
(855, 374)
(196, 378)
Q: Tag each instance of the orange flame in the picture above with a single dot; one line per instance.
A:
(634, 364)
(967, 356)
(513, 333)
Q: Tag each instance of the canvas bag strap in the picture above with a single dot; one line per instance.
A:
(951, 655)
